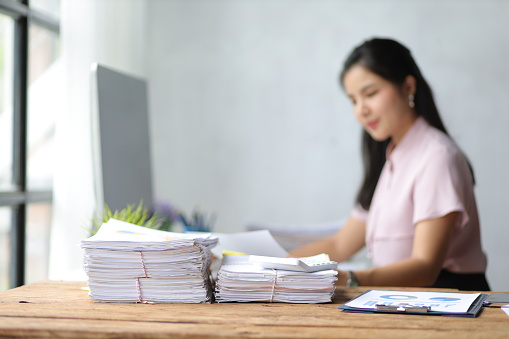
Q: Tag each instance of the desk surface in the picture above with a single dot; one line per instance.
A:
(54, 309)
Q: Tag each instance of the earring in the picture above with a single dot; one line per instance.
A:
(411, 102)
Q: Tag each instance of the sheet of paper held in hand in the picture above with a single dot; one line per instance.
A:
(438, 301)
(252, 242)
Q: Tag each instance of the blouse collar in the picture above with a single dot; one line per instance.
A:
(409, 140)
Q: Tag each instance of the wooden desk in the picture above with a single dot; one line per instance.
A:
(53, 309)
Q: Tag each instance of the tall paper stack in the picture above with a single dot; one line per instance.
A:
(242, 281)
(129, 263)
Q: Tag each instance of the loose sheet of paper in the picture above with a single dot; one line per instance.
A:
(252, 242)
(438, 301)
(505, 308)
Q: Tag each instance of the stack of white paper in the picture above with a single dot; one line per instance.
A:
(242, 281)
(129, 263)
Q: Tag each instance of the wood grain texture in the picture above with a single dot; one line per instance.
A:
(56, 309)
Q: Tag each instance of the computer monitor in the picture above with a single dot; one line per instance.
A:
(121, 139)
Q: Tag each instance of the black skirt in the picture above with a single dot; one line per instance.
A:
(462, 281)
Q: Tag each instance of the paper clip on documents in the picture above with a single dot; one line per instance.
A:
(402, 308)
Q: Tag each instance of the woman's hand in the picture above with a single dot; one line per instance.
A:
(342, 278)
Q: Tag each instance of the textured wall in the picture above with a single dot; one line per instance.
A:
(248, 120)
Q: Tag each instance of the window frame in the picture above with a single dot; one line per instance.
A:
(23, 16)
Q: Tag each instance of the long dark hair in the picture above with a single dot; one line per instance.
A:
(393, 62)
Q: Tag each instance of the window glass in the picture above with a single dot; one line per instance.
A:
(5, 246)
(50, 7)
(38, 225)
(44, 70)
(6, 102)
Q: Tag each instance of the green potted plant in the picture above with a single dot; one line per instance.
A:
(137, 215)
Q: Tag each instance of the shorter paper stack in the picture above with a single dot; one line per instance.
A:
(129, 263)
(239, 280)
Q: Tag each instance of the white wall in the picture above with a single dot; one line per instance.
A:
(248, 119)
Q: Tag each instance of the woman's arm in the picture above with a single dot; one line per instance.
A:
(431, 242)
(340, 246)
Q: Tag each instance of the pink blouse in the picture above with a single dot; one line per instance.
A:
(425, 176)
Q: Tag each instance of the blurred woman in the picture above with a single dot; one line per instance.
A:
(415, 209)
